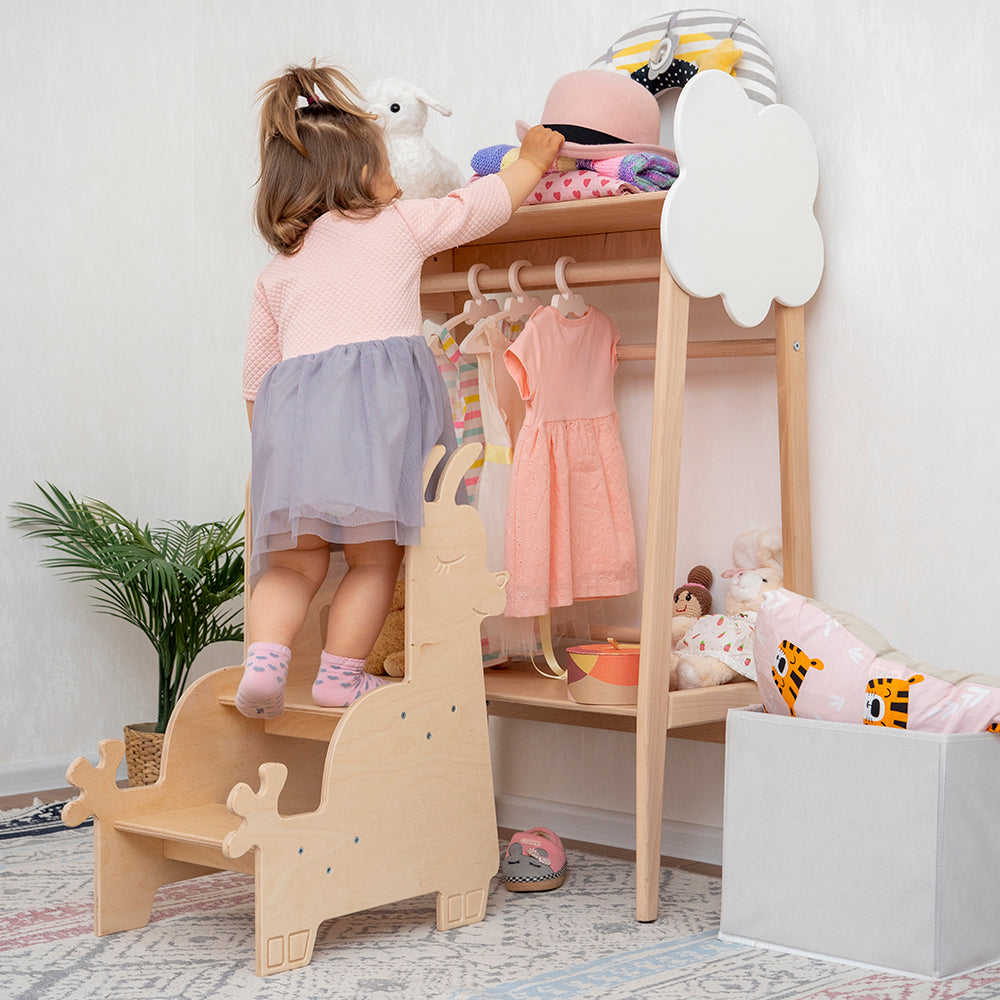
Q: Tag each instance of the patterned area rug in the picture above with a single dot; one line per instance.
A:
(578, 942)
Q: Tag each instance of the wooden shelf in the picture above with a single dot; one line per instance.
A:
(518, 691)
(598, 216)
(614, 240)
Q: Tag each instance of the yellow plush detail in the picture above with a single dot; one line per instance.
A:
(640, 51)
(724, 56)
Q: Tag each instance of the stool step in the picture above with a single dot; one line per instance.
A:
(193, 835)
(205, 825)
(302, 717)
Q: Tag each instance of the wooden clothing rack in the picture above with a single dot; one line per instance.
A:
(613, 241)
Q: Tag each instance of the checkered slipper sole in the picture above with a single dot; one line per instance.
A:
(534, 861)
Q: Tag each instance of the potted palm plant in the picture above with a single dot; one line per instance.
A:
(177, 583)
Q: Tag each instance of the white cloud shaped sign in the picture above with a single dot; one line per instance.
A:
(738, 222)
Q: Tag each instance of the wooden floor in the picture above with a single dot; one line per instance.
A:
(27, 798)
(62, 794)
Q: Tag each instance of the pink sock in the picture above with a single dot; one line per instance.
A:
(262, 690)
(341, 681)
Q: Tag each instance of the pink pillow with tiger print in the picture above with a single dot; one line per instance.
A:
(817, 663)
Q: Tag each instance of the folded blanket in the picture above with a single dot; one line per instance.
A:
(647, 171)
(574, 185)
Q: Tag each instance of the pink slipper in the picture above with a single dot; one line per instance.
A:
(535, 860)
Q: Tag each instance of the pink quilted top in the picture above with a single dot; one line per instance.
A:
(359, 279)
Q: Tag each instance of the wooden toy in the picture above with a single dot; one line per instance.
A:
(303, 802)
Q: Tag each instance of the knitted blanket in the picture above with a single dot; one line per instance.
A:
(647, 171)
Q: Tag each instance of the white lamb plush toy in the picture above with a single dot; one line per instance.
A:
(418, 168)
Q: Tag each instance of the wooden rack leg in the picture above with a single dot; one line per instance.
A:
(658, 577)
(793, 445)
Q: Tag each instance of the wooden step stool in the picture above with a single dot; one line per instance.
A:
(387, 799)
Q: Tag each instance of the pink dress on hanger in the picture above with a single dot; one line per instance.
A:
(568, 533)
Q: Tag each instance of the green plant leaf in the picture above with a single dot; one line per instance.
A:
(177, 582)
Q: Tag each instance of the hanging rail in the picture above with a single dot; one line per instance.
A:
(590, 272)
(599, 272)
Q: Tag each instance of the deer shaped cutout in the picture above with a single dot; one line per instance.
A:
(411, 756)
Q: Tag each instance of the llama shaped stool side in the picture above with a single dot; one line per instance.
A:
(411, 757)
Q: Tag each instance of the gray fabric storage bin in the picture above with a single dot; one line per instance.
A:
(862, 844)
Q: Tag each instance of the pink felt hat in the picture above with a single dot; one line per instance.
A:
(602, 114)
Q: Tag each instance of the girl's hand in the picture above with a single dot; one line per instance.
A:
(537, 152)
(540, 146)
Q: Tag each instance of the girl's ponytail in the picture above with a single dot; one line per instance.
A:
(318, 85)
(320, 151)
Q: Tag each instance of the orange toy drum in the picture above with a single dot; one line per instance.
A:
(604, 673)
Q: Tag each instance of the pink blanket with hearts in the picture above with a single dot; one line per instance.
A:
(575, 185)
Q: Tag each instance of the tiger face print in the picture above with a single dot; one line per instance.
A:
(789, 670)
(887, 701)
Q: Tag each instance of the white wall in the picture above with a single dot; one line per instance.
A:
(128, 152)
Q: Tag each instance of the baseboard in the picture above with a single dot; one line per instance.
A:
(595, 826)
(39, 775)
(691, 841)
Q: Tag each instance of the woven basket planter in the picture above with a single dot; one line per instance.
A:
(143, 748)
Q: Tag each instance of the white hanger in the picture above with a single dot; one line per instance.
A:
(566, 300)
(519, 305)
(476, 308)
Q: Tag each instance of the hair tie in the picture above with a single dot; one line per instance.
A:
(310, 99)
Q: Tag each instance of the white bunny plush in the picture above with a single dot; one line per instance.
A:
(418, 168)
(717, 648)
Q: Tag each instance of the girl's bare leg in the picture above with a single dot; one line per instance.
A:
(362, 600)
(275, 613)
(280, 601)
(357, 614)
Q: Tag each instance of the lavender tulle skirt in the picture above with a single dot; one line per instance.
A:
(339, 444)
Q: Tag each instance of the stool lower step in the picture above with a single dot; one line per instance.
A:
(206, 825)
(194, 835)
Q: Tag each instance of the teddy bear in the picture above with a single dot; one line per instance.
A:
(388, 655)
(417, 167)
(716, 649)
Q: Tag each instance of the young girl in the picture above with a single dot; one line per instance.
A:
(343, 394)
